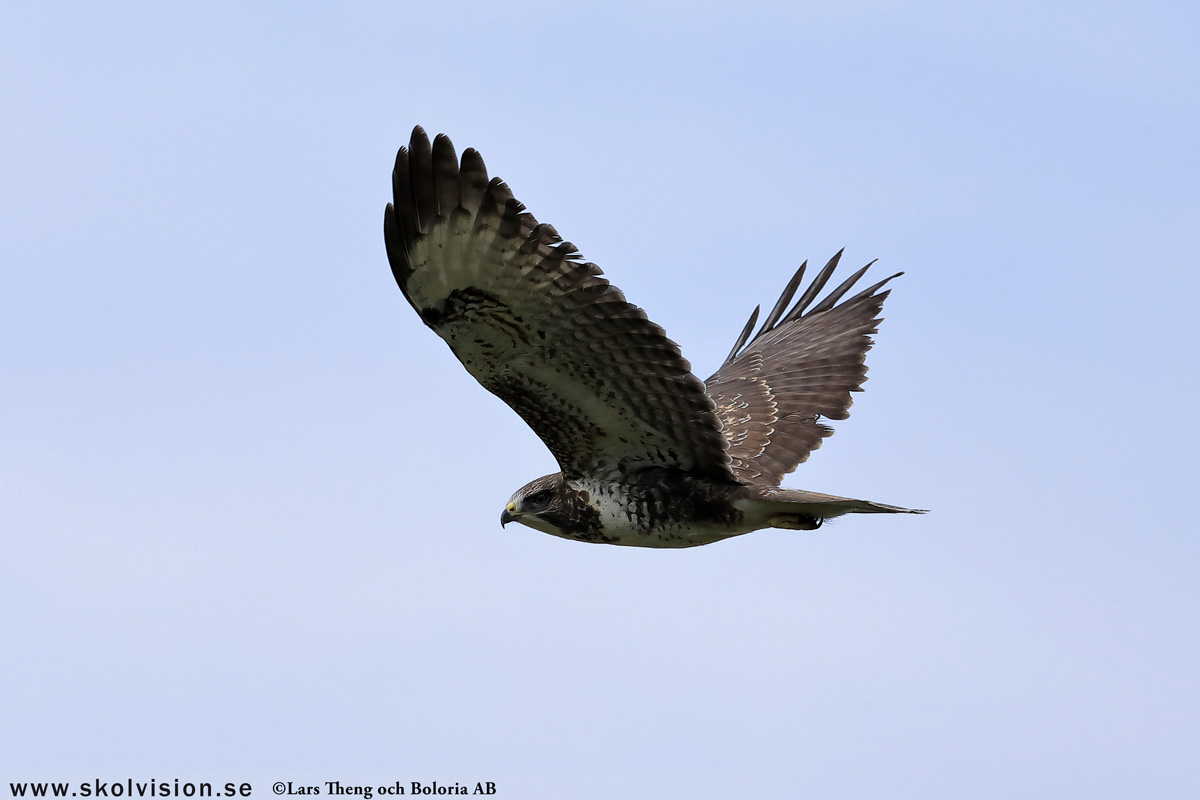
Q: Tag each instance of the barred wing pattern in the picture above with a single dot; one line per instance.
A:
(598, 382)
(801, 366)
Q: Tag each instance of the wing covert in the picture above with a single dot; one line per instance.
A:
(801, 366)
(596, 380)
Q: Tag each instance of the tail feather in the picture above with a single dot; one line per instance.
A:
(799, 509)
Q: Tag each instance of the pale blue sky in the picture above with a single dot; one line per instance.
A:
(248, 525)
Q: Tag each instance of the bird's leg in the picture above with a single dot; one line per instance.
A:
(796, 522)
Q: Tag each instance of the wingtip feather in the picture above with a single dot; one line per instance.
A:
(741, 340)
(445, 175)
(781, 304)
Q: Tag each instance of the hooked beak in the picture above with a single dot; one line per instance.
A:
(506, 516)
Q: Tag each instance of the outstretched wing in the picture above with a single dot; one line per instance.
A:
(599, 383)
(799, 367)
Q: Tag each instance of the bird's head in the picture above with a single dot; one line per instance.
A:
(538, 504)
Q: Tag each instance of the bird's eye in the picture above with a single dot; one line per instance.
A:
(539, 498)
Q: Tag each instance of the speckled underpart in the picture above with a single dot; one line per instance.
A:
(667, 508)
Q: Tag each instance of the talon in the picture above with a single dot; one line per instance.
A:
(796, 522)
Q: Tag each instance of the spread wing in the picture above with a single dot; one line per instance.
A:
(599, 383)
(799, 367)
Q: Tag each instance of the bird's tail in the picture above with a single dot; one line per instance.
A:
(800, 510)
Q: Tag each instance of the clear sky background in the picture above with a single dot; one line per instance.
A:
(249, 504)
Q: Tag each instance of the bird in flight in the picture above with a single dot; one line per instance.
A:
(649, 455)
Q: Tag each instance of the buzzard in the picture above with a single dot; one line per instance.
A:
(650, 456)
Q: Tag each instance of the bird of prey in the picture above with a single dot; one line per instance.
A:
(650, 456)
